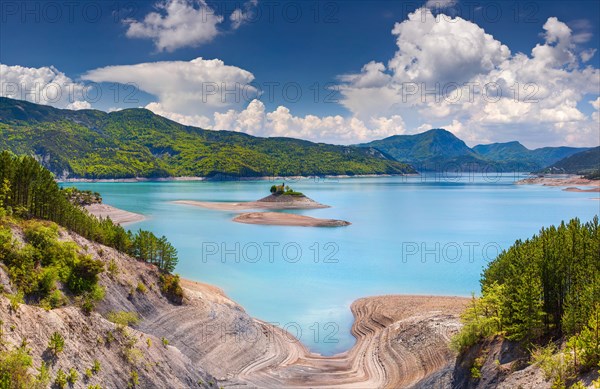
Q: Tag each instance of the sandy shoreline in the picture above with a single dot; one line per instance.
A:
(287, 219)
(118, 216)
(559, 180)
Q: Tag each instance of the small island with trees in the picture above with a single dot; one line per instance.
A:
(282, 197)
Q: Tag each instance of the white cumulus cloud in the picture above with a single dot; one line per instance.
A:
(449, 70)
(77, 105)
(198, 87)
(177, 24)
(282, 122)
(44, 85)
(188, 120)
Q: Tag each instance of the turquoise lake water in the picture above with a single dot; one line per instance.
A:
(409, 235)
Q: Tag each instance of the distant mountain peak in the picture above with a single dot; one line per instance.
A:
(439, 131)
(439, 149)
(501, 147)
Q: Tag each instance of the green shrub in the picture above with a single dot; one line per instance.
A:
(586, 344)
(42, 380)
(165, 341)
(56, 343)
(123, 319)
(170, 287)
(47, 281)
(84, 274)
(73, 376)
(15, 300)
(113, 268)
(132, 355)
(91, 297)
(557, 366)
(141, 288)
(41, 235)
(36, 267)
(134, 379)
(110, 337)
(7, 242)
(56, 299)
(61, 379)
(14, 369)
(23, 267)
(96, 367)
(476, 368)
(481, 319)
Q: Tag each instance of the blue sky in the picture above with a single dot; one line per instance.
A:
(326, 45)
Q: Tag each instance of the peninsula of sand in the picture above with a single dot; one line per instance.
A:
(559, 180)
(273, 202)
(592, 186)
(118, 216)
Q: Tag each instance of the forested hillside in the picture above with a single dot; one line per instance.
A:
(28, 191)
(544, 292)
(585, 162)
(515, 154)
(433, 150)
(68, 298)
(440, 150)
(138, 143)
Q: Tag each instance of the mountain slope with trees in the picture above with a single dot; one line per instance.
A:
(137, 143)
(67, 302)
(28, 190)
(440, 150)
(585, 162)
(515, 153)
(432, 150)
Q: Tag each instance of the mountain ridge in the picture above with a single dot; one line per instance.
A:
(135, 143)
(584, 162)
(439, 149)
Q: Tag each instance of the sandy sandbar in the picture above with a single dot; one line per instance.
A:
(118, 216)
(562, 180)
(287, 219)
(574, 189)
